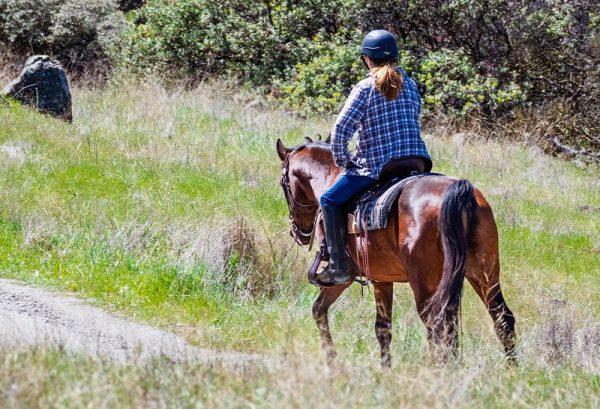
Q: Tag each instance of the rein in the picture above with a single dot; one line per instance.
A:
(304, 238)
(297, 233)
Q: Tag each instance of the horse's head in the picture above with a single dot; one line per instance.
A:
(304, 171)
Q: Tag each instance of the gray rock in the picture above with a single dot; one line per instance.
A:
(43, 85)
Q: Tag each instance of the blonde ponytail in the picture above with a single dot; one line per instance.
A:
(388, 80)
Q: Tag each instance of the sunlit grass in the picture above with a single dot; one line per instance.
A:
(50, 378)
(132, 207)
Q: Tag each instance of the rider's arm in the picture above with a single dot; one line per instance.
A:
(416, 96)
(418, 101)
(347, 123)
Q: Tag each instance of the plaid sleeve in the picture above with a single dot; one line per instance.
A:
(347, 123)
(408, 82)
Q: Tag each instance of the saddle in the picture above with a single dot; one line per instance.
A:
(369, 211)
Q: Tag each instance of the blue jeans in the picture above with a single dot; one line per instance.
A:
(344, 189)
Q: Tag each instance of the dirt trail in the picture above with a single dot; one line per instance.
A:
(32, 316)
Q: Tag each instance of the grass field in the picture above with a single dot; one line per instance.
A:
(135, 207)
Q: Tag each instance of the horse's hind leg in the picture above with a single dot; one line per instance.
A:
(488, 289)
(443, 339)
(327, 296)
(483, 272)
(504, 323)
(383, 325)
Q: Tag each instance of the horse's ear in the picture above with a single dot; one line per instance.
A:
(328, 140)
(282, 151)
(308, 139)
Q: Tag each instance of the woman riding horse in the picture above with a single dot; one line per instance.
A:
(384, 108)
(440, 231)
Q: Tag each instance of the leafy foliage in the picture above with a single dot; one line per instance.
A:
(77, 32)
(492, 58)
(487, 56)
(321, 83)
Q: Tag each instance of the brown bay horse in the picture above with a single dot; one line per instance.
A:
(440, 231)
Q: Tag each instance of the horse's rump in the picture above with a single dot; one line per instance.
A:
(371, 210)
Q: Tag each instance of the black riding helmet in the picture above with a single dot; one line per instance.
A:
(380, 46)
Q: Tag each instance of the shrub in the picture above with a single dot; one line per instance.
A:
(321, 83)
(255, 41)
(76, 32)
(128, 5)
(199, 38)
(450, 82)
(244, 275)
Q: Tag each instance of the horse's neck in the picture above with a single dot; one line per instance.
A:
(322, 177)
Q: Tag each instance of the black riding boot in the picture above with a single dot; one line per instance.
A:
(337, 271)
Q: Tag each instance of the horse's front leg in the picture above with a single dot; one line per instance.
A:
(384, 293)
(320, 308)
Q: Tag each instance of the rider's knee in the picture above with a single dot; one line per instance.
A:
(328, 201)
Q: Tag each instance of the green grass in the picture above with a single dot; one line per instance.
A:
(133, 205)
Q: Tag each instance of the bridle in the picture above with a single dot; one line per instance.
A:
(300, 236)
(304, 238)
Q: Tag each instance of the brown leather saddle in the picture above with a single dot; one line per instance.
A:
(393, 172)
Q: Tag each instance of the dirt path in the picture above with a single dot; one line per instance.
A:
(32, 316)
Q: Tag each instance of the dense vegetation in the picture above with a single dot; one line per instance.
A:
(78, 33)
(523, 67)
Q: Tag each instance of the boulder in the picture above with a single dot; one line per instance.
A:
(43, 85)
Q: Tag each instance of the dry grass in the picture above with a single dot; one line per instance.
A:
(8, 71)
(187, 215)
(49, 378)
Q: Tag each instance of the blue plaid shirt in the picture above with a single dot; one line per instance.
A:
(387, 130)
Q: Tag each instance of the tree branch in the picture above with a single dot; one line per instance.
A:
(572, 152)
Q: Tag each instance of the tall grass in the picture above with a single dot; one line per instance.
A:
(135, 206)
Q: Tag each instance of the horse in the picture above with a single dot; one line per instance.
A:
(440, 231)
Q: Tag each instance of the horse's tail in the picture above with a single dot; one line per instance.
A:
(456, 216)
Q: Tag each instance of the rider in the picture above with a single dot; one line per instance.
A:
(384, 108)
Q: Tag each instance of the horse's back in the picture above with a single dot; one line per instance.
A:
(411, 244)
(422, 200)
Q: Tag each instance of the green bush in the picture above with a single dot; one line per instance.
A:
(321, 84)
(77, 32)
(492, 57)
(485, 54)
(199, 38)
(447, 79)
(452, 83)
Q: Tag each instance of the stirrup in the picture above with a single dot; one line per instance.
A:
(318, 278)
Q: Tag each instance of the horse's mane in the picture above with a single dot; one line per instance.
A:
(321, 151)
(314, 144)
(319, 144)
